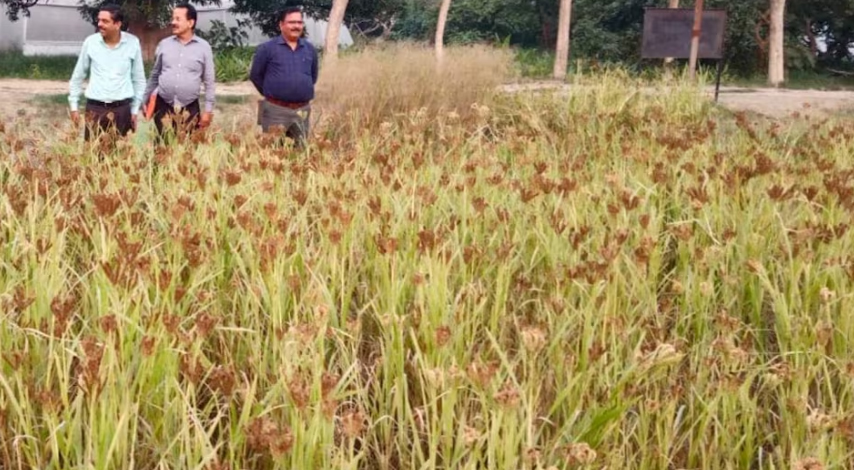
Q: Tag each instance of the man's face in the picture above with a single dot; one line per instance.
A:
(106, 26)
(291, 26)
(180, 23)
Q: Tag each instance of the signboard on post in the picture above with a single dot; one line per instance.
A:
(667, 33)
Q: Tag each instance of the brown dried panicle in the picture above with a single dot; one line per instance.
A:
(580, 454)
(108, 323)
(386, 245)
(190, 369)
(683, 231)
(508, 395)
(443, 335)
(263, 435)
(809, 463)
(328, 383)
(106, 204)
(533, 338)
(147, 345)
(204, 324)
(21, 300)
(482, 373)
(299, 391)
(353, 424)
(426, 240)
(232, 177)
(88, 373)
(223, 380)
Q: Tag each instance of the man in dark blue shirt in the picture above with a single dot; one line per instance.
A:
(284, 71)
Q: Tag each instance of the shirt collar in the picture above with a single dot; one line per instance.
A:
(194, 38)
(300, 41)
(122, 38)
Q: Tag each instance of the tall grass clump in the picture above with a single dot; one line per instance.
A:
(386, 82)
(233, 64)
(616, 277)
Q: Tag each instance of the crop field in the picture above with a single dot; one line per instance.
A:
(624, 276)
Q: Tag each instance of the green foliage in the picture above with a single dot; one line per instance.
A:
(606, 32)
(263, 13)
(223, 38)
(154, 13)
(534, 63)
(611, 31)
(14, 64)
(799, 57)
(371, 17)
(232, 64)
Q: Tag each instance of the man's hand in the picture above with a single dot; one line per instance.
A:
(133, 121)
(207, 117)
(75, 117)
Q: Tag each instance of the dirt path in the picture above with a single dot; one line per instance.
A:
(16, 93)
(13, 86)
(774, 103)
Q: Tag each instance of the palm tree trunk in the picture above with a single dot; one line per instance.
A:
(671, 4)
(562, 47)
(440, 30)
(776, 46)
(333, 29)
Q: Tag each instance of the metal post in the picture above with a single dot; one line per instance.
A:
(695, 38)
(718, 79)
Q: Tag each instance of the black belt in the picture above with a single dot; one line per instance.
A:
(114, 104)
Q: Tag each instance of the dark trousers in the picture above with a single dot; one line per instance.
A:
(182, 123)
(110, 118)
(293, 122)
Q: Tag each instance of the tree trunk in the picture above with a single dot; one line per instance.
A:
(148, 36)
(440, 30)
(776, 51)
(811, 38)
(671, 4)
(547, 40)
(333, 29)
(562, 47)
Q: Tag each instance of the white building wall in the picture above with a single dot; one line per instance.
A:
(55, 27)
(11, 34)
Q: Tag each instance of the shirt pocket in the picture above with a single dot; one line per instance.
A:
(195, 66)
(305, 65)
(120, 67)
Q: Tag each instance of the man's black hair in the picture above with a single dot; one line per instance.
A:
(115, 12)
(287, 11)
(192, 14)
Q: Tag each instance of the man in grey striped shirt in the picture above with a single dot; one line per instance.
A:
(182, 63)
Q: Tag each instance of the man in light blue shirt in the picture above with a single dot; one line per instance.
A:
(113, 61)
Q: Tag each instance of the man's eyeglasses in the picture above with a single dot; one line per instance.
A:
(293, 22)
